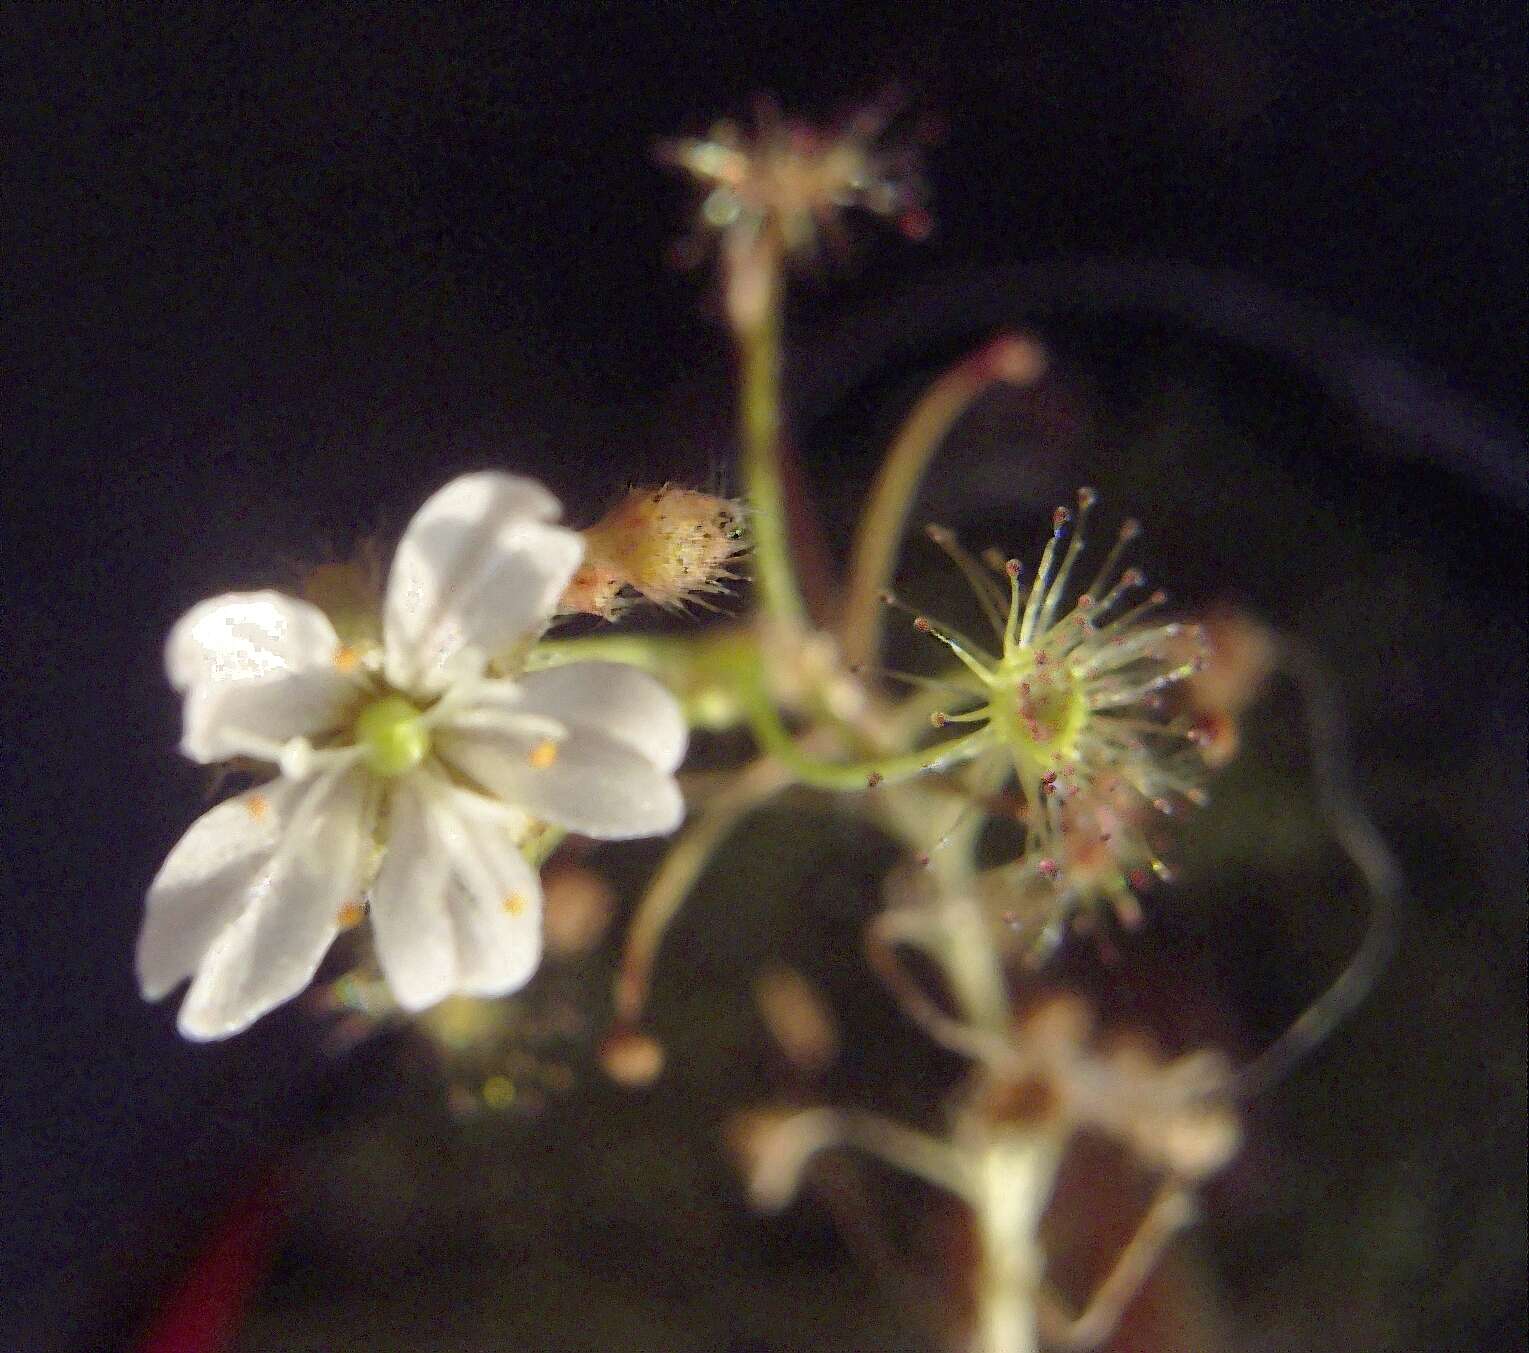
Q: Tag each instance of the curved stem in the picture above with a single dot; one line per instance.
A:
(1170, 1212)
(678, 873)
(1371, 856)
(979, 992)
(1015, 361)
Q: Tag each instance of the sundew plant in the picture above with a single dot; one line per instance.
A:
(427, 742)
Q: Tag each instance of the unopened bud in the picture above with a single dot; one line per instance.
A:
(577, 909)
(671, 546)
(797, 1018)
(632, 1058)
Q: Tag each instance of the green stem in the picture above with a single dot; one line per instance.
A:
(759, 351)
(539, 849)
(778, 741)
(701, 670)
(1015, 361)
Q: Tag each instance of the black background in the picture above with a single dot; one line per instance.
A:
(275, 272)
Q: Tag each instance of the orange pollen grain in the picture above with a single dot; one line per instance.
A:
(257, 806)
(346, 659)
(543, 755)
(351, 914)
(514, 904)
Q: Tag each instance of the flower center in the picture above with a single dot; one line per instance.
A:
(393, 736)
(1039, 707)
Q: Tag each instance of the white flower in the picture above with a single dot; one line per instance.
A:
(409, 772)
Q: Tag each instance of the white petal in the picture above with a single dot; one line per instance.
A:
(408, 904)
(617, 700)
(594, 785)
(248, 636)
(257, 669)
(456, 907)
(255, 718)
(201, 888)
(496, 904)
(478, 568)
(287, 914)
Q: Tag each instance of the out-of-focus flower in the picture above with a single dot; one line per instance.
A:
(1242, 656)
(782, 189)
(798, 179)
(410, 769)
(579, 905)
(631, 1058)
(1012, 1126)
(798, 1018)
(1175, 1114)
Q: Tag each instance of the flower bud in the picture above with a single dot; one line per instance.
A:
(671, 546)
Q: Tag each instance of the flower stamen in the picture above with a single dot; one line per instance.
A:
(1130, 528)
(1086, 499)
(989, 596)
(1038, 590)
(957, 643)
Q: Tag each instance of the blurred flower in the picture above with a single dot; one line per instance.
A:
(579, 905)
(783, 188)
(798, 1018)
(1241, 656)
(1012, 1126)
(1176, 1115)
(631, 1058)
(798, 179)
(410, 769)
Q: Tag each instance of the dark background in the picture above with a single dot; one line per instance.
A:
(272, 275)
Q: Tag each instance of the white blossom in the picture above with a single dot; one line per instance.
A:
(409, 772)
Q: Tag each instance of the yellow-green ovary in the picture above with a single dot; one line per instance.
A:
(393, 736)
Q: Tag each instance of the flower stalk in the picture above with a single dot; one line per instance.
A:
(754, 304)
